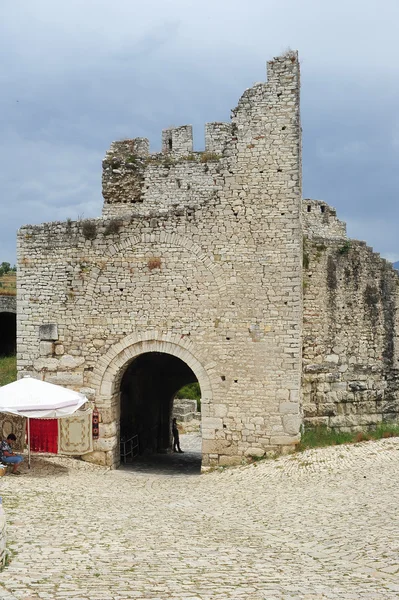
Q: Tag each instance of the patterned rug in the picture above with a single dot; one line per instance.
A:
(13, 424)
(76, 433)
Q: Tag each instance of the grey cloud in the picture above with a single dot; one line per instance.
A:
(80, 74)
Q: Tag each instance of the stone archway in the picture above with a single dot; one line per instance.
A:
(148, 387)
(107, 379)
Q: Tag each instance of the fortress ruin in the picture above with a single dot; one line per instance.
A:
(209, 267)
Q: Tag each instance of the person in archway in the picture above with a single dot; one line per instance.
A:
(7, 456)
(176, 439)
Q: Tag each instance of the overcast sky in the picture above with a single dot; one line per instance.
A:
(76, 75)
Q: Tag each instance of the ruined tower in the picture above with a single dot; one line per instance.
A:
(193, 272)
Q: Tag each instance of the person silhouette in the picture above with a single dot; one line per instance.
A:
(176, 439)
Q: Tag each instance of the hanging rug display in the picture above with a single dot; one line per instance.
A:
(76, 433)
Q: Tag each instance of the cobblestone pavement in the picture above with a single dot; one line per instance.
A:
(322, 524)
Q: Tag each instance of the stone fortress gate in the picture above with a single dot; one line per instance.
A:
(198, 271)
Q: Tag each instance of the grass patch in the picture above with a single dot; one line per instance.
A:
(320, 437)
(8, 284)
(8, 369)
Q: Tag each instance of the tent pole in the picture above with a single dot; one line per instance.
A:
(28, 443)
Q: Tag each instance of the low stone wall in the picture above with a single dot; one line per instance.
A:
(8, 304)
(185, 410)
(3, 551)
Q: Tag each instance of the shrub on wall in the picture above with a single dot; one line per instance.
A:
(89, 230)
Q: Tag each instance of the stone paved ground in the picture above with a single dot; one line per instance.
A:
(318, 525)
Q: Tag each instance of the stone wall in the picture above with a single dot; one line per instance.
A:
(198, 256)
(320, 219)
(157, 182)
(8, 304)
(350, 345)
(185, 410)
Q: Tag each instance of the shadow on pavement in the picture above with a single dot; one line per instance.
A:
(188, 463)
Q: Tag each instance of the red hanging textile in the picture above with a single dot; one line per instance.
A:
(95, 426)
(44, 435)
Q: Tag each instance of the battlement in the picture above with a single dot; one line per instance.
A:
(177, 140)
(260, 142)
(216, 136)
(320, 219)
(277, 68)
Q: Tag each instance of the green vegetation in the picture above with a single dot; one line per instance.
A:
(5, 268)
(319, 437)
(89, 230)
(8, 369)
(345, 248)
(113, 227)
(209, 157)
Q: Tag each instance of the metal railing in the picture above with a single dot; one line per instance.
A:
(129, 447)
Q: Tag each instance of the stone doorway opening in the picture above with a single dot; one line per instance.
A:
(147, 391)
(8, 333)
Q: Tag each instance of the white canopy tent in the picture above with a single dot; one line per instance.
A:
(35, 399)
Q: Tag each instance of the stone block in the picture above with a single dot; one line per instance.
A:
(289, 408)
(67, 379)
(332, 358)
(105, 444)
(96, 457)
(218, 447)
(310, 410)
(90, 393)
(284, 440)
(212, 423)
(317, 421)
(45, 364)
(282, 395)
(338, 349)
(59, 349)
(46, 348)
(229, 461)
(220, 410)
(108, 430)
(294, 396)
(112, 459)
(254, 451)
(48, 332)
(107, 415)
(98, 343)
(69, 363)
(291, 424)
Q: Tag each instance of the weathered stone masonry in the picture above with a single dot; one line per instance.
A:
(198, 257)
(201, 259)
(350, 343)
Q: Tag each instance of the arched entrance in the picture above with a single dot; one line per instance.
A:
(8, 333)
(109, 373)
(148, 387)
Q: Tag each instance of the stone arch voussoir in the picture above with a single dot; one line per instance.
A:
(161, 238)
(109, 371)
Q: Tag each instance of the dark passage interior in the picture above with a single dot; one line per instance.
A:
(147, 390)
(8, 333)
